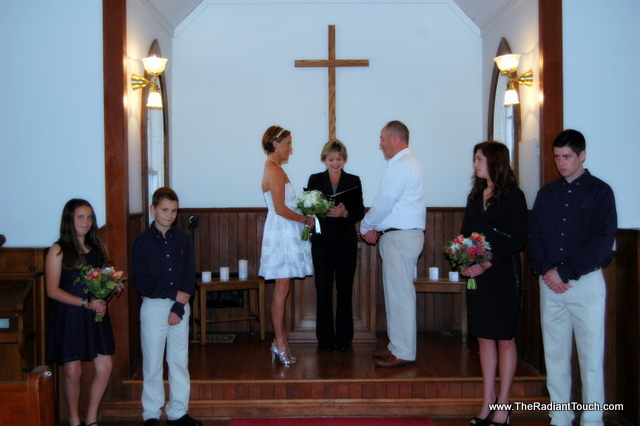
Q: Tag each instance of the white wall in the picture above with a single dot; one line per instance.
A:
(240, 79)
(518, 24)
(233, 76)
(601, 96)
(51, 115)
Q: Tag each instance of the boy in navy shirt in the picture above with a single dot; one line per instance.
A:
(163, 272)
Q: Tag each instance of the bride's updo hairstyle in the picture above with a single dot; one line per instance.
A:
(273, 134)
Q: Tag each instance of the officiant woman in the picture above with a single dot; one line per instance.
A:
(496, 207)
(334, 249)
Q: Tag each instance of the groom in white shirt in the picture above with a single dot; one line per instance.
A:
(397, 218)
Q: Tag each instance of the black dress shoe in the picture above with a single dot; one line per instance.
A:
(151, 422)
(327, 348)
(344, 348)
(185, 420)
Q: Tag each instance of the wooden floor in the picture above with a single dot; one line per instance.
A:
(440, 354)
(247, 361)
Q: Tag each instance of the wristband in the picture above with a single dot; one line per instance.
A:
(83, 303)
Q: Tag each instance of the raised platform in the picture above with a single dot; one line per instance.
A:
(239, 380)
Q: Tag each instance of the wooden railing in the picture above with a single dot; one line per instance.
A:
(29, 402)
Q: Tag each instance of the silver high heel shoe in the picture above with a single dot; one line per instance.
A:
(284, 356)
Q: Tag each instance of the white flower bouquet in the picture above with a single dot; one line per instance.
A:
(313, 203)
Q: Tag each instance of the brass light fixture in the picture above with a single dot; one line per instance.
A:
(154, 66)
(508, 65)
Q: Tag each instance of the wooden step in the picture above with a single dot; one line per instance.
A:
(212, 399)
(232, 380)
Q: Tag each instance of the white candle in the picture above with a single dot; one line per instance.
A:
(453, 276)
(434, 275)
(243, 269)
(206, 276)
(224, 273)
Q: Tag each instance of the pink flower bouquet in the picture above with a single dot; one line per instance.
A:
(100, 283)
(468, 251)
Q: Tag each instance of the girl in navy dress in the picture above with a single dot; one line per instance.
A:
(74, 335)
(496, 207)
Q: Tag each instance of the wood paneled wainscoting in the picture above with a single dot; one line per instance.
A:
(226, 235)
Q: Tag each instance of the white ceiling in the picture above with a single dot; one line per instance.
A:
(173, 12)
(481, 11)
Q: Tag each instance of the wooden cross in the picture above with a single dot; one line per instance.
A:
(331, 64)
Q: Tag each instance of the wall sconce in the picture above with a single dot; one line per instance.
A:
(508, 65)
(154, 66)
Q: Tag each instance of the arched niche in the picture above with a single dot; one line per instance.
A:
(503, 122)
(154, 140)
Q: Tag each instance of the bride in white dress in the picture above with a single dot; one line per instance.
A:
(284, 254)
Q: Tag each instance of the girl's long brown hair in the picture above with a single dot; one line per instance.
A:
(500, 171)
(72, 255)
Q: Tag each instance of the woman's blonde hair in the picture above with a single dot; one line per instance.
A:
(334, 145)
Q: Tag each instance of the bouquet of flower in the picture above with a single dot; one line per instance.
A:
(313, 203)
(100, 283)
(468, 251)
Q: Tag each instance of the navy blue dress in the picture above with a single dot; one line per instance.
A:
(73, 333)
(493, 308)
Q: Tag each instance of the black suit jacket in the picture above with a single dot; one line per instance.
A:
(339, 228)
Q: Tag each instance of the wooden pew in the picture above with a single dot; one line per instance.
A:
(30, 402)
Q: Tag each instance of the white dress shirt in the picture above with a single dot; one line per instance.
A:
(401, 200)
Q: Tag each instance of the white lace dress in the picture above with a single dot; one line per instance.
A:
(284, 254)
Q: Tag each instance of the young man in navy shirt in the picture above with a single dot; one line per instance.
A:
(571, 234)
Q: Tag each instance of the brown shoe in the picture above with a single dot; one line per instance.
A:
(391, 361)
(381, 353)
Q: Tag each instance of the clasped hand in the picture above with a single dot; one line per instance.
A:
(183, 298)
(98, 306)
(554, 282)
(472, 271)
(371, 236)
(337, 211)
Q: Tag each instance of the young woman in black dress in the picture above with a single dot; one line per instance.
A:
(74, 335)
(497, 208)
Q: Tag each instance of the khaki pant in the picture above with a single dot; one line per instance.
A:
(399, 251)
(155, 333)
(578, 312)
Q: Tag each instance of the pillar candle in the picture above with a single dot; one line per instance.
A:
(434, 275)
(224, 273)
(243, 269)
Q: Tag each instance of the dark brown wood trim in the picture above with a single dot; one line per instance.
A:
(154, 49)
(114, 21)
(551, 88)
(504, 49)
